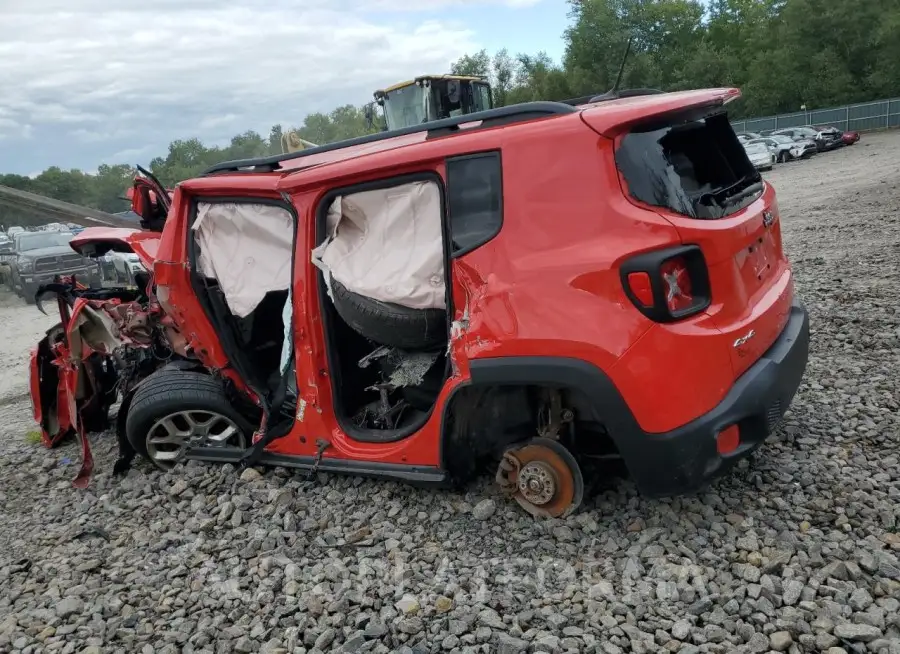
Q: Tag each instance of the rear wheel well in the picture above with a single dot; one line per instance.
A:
(481, 421)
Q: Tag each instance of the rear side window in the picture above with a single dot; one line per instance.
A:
(696, 168)
(475, 200)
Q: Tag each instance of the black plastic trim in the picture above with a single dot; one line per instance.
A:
(490, 118)
(374, 435)
(412, 474)
(650, 263)
(496, 154)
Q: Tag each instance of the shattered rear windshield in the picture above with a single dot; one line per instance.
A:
(697, 168)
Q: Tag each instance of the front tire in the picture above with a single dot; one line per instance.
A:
(173, 410)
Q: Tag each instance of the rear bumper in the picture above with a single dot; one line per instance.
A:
(685, 459)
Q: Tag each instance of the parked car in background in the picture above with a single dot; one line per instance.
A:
(125, 265)
(120, 267)
(760, 155)
(824, 140)
(786, 148)
(847, 138)
(41, 256)
(748, 136)
(6, 255)
(75, 229)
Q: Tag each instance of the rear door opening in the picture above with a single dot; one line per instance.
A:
(382, 287)
(692, 170)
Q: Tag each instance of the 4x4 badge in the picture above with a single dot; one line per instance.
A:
(743, 339)
(768, 218)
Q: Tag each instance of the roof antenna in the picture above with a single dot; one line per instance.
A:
(615, 89)
(614, 92)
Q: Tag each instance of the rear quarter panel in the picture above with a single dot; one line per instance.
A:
(549, 283)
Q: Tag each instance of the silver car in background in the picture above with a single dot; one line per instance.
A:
(760, 155)
(786, 148)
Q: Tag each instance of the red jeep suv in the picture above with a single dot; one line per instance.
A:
(539, 284)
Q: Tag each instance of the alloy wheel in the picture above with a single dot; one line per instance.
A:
(170, 437)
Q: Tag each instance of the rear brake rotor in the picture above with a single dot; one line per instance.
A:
(545, 479)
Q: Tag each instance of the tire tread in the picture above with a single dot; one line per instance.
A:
(390, 324)
(167, 391)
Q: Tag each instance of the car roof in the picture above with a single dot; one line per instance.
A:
(606, 117)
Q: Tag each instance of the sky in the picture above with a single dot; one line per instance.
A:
(85, 82)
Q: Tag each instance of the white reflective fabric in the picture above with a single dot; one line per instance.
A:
(247, 248)
(387, 245)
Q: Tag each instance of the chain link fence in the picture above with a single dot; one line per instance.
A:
(881, 114)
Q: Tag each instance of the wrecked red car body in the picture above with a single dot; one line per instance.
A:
(528, 325)
(107, 340)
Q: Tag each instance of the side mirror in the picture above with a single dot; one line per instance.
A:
(369, 114)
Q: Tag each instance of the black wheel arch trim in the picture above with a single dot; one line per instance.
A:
(564, 372)
(607, 404)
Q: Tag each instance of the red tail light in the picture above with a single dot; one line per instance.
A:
(669, 284)
(677, 279)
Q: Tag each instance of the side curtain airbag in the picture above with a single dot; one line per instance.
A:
(246, 247)
(387, 244)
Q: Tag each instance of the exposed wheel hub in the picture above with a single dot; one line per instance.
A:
(543, 477)
(537, 483)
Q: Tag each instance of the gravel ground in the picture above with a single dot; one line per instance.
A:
(797, 551)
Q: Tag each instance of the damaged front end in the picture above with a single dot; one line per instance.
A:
(107, 341)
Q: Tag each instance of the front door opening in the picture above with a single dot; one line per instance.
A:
(242, 255)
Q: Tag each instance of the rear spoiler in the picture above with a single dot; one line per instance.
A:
(614, 117)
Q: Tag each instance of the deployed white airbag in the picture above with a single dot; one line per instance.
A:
(387, 245)
(247, 248)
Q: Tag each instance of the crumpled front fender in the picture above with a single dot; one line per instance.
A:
(50, 394)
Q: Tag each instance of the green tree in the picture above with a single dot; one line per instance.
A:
(476, 65)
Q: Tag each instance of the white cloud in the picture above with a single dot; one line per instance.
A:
(150, 72)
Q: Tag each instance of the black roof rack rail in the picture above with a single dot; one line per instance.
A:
(490, 118)
(584, 99)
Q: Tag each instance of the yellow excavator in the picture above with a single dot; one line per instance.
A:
(416, 101)
(431, 97)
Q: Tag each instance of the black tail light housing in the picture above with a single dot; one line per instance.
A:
(668, 285)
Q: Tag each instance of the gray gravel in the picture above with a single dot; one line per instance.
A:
(795, 552)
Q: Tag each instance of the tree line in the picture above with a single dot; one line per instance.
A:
(781, 53)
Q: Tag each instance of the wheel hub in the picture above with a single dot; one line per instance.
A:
(537, 482)
(543, 477)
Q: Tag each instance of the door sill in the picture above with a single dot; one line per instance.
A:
(411, 474)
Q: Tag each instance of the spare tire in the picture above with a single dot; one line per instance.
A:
(390, 324)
